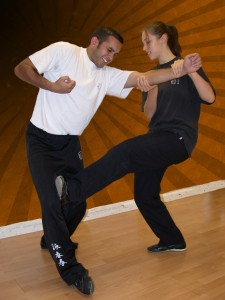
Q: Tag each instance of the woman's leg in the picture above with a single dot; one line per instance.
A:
(146, 152)
(154, 211)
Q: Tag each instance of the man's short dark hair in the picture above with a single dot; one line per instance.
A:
(103, 33)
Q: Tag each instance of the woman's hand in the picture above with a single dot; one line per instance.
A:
(177, 67)
(143, 84)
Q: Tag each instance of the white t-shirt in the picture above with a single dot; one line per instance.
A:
(71, 113)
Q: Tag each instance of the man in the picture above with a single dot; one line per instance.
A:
(72, 83)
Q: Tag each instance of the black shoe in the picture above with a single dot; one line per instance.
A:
(84, 284)
(61, 187)
(43, 243)
(162, 248)
(44, 246)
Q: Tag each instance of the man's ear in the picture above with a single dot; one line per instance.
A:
(94, 41)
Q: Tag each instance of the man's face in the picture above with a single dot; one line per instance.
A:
(101, 54)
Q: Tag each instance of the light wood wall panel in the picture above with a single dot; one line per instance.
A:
(31, 25)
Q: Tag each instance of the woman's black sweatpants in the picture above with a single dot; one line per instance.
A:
(147, 156)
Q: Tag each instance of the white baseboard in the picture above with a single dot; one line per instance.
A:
(111, 209)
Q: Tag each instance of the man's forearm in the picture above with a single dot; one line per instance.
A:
(153, 77)
(159, 76)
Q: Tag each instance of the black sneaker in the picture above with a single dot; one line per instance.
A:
(62, 190)
(172, 248)
(84, 284)
(44, 245)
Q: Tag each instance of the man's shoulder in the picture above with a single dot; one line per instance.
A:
(67, 45)
(66, 48)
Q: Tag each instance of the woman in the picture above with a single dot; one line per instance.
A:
(174, 109)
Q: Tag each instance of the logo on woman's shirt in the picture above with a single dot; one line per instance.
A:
(175, 81)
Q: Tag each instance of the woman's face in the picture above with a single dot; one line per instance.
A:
(152, 45)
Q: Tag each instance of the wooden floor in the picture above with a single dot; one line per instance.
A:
(114, 250)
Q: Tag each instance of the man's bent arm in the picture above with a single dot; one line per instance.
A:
(27, 72)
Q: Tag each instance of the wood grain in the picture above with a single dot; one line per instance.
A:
(113, 248)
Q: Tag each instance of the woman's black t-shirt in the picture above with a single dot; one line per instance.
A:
(178, 107)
